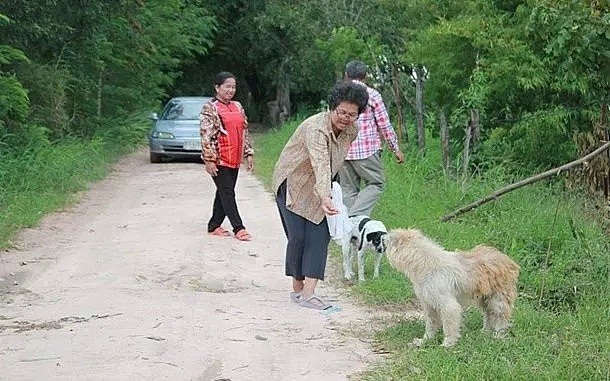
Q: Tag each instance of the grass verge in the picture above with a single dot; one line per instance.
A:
(42, 177)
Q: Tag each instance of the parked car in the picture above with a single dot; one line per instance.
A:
(175, 133)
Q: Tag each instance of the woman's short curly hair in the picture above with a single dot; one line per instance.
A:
(348, 91)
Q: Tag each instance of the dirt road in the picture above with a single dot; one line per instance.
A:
(126, 285)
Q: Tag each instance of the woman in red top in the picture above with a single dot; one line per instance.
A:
(224, 141)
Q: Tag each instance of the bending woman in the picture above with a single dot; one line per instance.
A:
(302, 185)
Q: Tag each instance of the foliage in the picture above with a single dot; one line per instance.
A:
(516, 63)
(344, 45)
(541, 140)
(574, 40)
(103, 59)
(14, 103)
(37, 177)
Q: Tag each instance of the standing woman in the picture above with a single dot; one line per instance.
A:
(302, 185)
(224, 141)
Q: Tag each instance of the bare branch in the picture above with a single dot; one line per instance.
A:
(530, 180)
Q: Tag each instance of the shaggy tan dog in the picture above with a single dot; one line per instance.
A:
(445, 282)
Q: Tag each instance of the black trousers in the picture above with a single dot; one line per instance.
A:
(307, 247)
(224, 200)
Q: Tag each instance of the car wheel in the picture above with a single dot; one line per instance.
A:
(155, 158)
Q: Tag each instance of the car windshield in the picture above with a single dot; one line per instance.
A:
(183, 110)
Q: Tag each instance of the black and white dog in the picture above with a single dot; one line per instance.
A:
(366, 234)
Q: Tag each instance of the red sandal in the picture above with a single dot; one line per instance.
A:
(219, 231)
(243, 235)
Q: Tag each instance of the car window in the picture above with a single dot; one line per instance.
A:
(182, 111)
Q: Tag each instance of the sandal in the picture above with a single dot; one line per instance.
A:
(243, 235)
(219, 231)
(314, 302)
(295, 297)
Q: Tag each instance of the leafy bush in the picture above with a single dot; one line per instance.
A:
(539, 140)
(14, 104)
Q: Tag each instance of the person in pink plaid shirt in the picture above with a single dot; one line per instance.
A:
(362, 176)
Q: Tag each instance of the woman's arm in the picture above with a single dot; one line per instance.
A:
(317, 147)
(209, 126)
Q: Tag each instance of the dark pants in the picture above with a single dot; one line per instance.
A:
(224, 201)
(307, 247)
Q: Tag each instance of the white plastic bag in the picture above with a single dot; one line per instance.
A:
(339, 225)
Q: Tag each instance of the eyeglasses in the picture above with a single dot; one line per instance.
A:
(346, 115)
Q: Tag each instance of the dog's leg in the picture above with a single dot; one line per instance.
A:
(361, 265)
(433, 324)
(346, 249)
(377, 264)
(451, 317)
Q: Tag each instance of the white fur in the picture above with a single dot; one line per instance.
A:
(445, 282)
(351, 246)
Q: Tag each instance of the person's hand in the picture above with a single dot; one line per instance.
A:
(250, 161)
(400, 157)
(211, 168)
(328, 207)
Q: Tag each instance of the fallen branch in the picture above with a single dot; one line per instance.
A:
(530, 180)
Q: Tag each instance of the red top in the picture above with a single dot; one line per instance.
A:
(231, 136)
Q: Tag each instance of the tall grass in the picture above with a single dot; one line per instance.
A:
(39, 177)
(560, 330)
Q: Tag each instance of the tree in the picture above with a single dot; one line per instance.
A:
(103, 58)
(14, 104)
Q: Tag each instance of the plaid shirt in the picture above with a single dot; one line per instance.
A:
(372, 123)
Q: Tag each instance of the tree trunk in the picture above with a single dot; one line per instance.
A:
(476, 129)
(98, 102)
(442, 120)
(606, 127)
(466, 154)
(279, 109)
(283, 98)
(402, 135)
(419, 108)
(529, 180)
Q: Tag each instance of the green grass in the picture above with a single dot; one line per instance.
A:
(43, 177)
(561, 329)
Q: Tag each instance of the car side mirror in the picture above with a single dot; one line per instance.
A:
(153, 116)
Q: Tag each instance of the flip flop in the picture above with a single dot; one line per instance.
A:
(243, 235)
(219, 231)
(314, 302)
(295, 296)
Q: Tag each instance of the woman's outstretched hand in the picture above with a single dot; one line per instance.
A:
(328, 207)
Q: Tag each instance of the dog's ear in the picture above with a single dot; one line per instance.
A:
(373, 236)
(388, 239)
(384, 240)
(376, 238)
